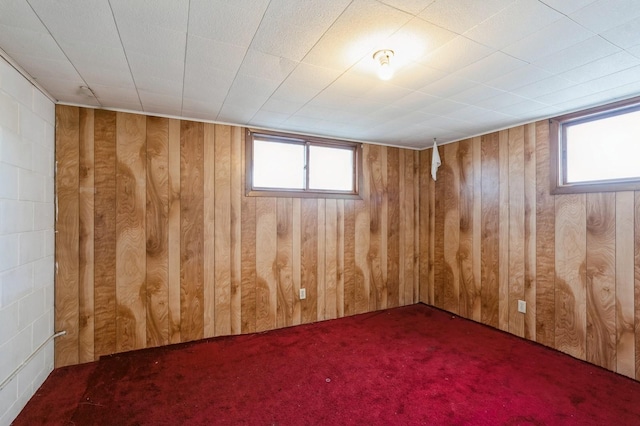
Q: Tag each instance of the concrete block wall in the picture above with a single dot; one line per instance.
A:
(27, 213)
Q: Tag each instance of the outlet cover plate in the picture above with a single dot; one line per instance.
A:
(522, 306)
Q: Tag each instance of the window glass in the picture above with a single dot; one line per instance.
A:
(603, 149)
(330, 169)
(278, 165)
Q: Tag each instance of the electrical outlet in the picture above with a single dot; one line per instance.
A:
(303, 293)
(522, 306)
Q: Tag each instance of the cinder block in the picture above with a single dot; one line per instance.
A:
(9, 251)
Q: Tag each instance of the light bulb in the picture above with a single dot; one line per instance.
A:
(383, 57)
(385, 72)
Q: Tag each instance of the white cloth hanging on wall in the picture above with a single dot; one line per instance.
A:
(435, 160)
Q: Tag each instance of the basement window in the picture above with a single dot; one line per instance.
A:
(597, 150)
(280, 165)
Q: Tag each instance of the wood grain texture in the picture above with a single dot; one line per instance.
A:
(248, 272)
(104, 285)
(340, 258)
(407, 230)
(296, 264)
(174, 232)
(349, 257)
(624, 293)
(530, 231)
(637, 279)
(237, 143)
(192, 230)
(86, 214)
(476, 303)
(131, 288)
(67, 236)
(331, 259)
(283, 265)
(450, 171)
(545, 241)
(601, 280)
(466, 284)
(209, 228)
(321, 265)
(157, 241)
(570, 298)
(490, 230)
(440, 189)
(362, 241)
(395, 274)
(266, 260)
(516, 229)
(222, 231)
(309, 258)
(503, 225)
(424, 228)
(376, 161)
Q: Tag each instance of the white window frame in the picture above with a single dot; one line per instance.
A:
(307, 141)
(558, 152)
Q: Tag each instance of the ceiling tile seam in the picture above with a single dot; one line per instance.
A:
(301, 61)
(62, 50)
(184, 61)
(124, 51)
(235, 77)
(415, 15)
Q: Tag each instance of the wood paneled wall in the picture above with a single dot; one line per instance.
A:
(491, 234)
(157, 243)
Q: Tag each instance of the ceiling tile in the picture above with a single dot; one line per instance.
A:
(250, 91)
(520, 19)
(567, 6)
(626, 35)
(579, 54)
(19, 41)
(603, 15)
(231, 22)
(490, 67)
(543, 87)
(456, 54)
(554, 37)
(476, 94)
(518, 78)
(602, 67)
(263, 65)
(170, 14)
(410, 6)
(462, 15)
(448, 86)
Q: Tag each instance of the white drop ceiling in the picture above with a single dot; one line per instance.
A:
(462, 67)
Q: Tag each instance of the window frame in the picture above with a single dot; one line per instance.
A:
(558, 150)
(252, 191)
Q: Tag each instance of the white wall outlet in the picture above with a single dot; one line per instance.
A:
(303, 293)
(522, 306)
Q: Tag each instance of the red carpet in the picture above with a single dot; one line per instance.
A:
(405, 366)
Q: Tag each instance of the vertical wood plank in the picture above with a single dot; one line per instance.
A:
(424, 215)
(266, 258)
(331, 260)
(349, 257)
(530, 230)
(570, 275)
(296, 259)
(396, 206)
(321, 265)
(222, 226)
(503, 245)
(376, 157)
(104, 285)
(625, 333)
(490, 251)
(248, 257)
(545, 241)
(192, 230)
(236, 231)
(476, 303)
(516, 229)
(209, 226)
(283, 264)
(451, 182)
(174, 231)
(86, 237)
(432, 235)
(637, 279)
(416, 226)
(408, 229)
(363, 237)
(465, 249)
(67, 249)
(157, 219)
(340, 259)
(441, 187)
(309, 258)
(130, 232)
(601, 280)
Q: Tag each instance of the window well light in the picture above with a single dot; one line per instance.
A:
(383, 57)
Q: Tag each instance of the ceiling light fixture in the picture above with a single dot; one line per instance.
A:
(383, 57)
